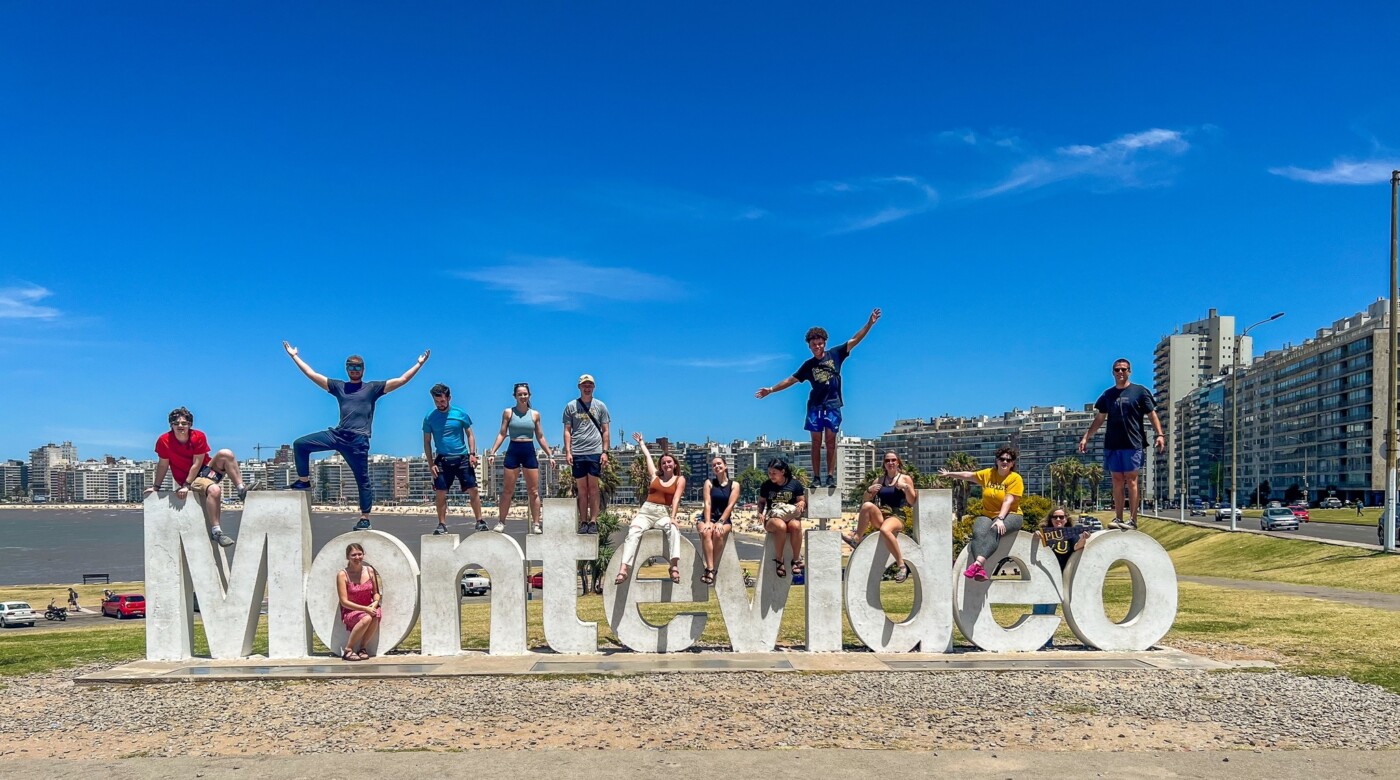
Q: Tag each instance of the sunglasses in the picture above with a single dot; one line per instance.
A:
(1006, 460)
(181, 423)
(1121, 370)
(1058, 517)
(891, 460)
(354, 366)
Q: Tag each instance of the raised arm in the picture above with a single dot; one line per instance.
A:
(861, 334)
(311, 374)
(397, 382)
(764, 392)
(1094, 426)
(646, 455)
(965, 476)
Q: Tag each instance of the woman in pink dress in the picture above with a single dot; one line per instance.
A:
(358, 585)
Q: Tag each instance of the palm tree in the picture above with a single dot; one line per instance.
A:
(608, 484)
(1093, 472)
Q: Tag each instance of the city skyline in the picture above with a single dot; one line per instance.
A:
(665, 200)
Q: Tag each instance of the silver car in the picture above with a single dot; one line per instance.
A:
(16, 613)
(1278, 519)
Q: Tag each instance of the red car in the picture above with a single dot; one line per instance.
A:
(1301, 512)
(125, 605)
(537, 580)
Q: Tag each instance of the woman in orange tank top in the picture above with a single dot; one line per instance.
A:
(664, 491)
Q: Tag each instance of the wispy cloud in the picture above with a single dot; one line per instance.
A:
(1132, 160)
(21, 303)
(1342, 171)
(741, 363)
(887, 199)
(567, 284)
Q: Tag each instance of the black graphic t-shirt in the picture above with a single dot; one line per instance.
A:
(825, 375)
(1125, 409)
(774, 493)
(1061, 541)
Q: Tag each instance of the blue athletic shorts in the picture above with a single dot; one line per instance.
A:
(522, 453)
(1122, 461)
(456, 468)
(588, 465)
(822, 419)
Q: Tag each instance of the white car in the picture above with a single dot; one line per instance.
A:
(475, 583)
(14, 613)
(1223, 514)
(1278, 519)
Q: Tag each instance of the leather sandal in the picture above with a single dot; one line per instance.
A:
(781, 569)
(675, 574)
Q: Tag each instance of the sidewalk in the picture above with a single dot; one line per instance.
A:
(1357, 598)
(991, 764)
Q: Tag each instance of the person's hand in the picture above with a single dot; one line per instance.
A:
(423, 358)
(473, 459)
(944, 473)
(150, 490)
(763, 392)
(1161, 443)
(433, 468)
(182, 491)
(1083, 446)
(291, 350)
(569, 457)
(999, 526)
(874, 315)
(637, 437)
(603, 459)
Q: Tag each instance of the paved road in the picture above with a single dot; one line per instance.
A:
(1336, 532)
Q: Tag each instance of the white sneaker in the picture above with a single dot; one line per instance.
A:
(499, 528)
(536, 528)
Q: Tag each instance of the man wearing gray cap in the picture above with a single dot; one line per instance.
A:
(586, 443)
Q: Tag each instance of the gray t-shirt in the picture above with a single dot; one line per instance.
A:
(356, 404)
(587, 439)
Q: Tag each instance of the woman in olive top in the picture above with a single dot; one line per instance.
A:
(665, 485)
(720, 494)
(1001, 497)
(883, 510)
(521, 425)
(781, 503)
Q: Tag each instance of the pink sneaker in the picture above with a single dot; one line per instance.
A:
(981, 574)
(974, 572)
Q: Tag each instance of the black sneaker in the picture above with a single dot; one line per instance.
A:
(481, 525)
(299, 485)
(831, 480)
(440, 530)
(363, 525)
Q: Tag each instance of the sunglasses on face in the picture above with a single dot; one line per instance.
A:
(1058, 517)
(181, 423)
(354, 367)
(891, 460)
(1120, 370)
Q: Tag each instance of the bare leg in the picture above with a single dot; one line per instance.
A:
(213, 505)
(357, 634)
(1130, 481)
(869, 519)
(816, 454)
(508, 492)
(440, 499)
(476, 503)
(225, 463)
(794, 529)
(1118, 480)
(594, 499)
(889, 531)
(532, 488)
(370, 634)
(830, 453)
(707, 544)
(777, 529)
(721, 534)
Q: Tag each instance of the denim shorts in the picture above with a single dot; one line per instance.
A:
(1122, 461)
(821, 419)
(522, 453)
(588, 465)
(454, 468)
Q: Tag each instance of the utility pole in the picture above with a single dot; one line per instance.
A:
(1235, 421)
(1389, 525)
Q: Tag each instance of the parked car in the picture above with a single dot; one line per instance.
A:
(1301, 512)
(1223, 514)
(124, 605)
(1091, 522)
(16, 613)
(474, 583)
(1278, 519)
(537, 580)
(1275, 504)
(1330, 503)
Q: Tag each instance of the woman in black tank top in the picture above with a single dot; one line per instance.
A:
(883, 510)
(720, 494)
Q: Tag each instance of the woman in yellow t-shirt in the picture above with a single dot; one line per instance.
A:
(1002, 489)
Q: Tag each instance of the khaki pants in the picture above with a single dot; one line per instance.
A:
(651, 516)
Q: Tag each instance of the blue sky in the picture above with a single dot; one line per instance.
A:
(665, 197)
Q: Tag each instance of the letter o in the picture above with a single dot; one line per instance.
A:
(398, 574)
(1154, 603)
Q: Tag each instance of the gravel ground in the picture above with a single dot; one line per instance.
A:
(47, 716)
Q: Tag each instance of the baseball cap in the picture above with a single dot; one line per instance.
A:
(586, 378)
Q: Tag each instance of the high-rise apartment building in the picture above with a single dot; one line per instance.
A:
(14, 480)
(42, 460)
(1182, 362)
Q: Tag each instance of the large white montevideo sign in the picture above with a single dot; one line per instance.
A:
(274, 560)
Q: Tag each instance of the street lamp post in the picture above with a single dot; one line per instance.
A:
(1389, 524)
(1235, 421)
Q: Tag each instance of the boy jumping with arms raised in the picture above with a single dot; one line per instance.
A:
(823, 371)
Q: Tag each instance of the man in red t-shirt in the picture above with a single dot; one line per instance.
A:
(185, 453)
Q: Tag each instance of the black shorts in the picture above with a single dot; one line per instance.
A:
(588, 466)
(454, 468)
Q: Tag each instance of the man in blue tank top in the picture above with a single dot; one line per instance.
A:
(450, 429)
(350, 437)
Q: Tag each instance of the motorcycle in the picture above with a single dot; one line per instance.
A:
(55, 613)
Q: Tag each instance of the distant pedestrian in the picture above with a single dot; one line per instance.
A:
(1062, 539)
(351, 436)
(1124, 406)
(782, 501)
(520, 424)
(449, 429)
(586, 444)
(1002, 489)
(882, 511)
(665, 486)
(824, 402)
(1358, 508)
(184, 452)
(358, 587)
(73, 599)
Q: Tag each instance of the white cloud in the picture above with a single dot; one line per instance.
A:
(1132, 160)
(21, 303)
(1343, 171)
(890, 198)
(564, 283)
(739, 363)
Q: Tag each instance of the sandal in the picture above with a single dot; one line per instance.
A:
(902, 574)
(798, 565)
(708, 577)
(363, 656)
(349, 655)
(620, 578)
(675, 574)
(781, 569)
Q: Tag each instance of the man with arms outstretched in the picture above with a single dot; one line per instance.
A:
(351, 437)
